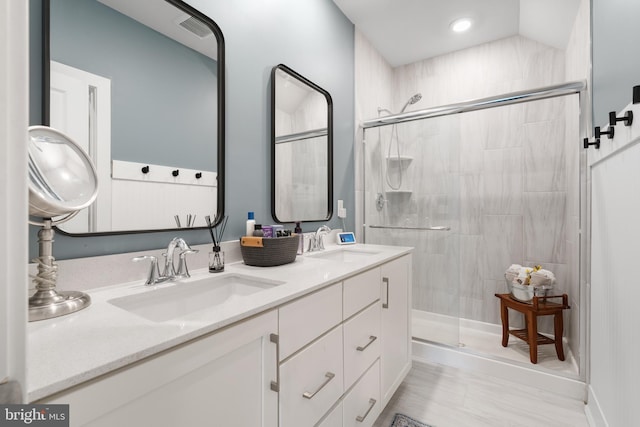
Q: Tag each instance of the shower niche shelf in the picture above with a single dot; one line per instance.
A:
(402, 161)
(398, 193)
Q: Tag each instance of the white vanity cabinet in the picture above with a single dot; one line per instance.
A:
(395, 360)
(223, 378)
(332, 357)
(341, 369)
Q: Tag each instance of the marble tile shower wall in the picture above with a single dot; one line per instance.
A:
(374, 77)
(498, 177)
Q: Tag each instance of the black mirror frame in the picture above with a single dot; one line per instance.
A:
(329, 141)
(46, 75)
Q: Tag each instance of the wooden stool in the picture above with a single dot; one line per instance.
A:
(539, 306)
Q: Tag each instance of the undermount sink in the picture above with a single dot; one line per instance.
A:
(344, 255)
(183, 298)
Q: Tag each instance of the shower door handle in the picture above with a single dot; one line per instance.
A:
(385, 281)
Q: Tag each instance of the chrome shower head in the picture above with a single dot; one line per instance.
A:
(415, 98)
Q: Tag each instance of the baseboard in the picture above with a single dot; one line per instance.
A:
(432, 353)
(593, 411)
(403, 374)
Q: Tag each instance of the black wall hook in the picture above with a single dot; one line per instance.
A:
(609, 133)
(627, 118)
(586, 143)
(145, 169)
(198, 175)
(176, 172)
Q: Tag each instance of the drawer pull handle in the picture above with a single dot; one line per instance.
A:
(360, 418)
(275, 385)
(372, 338)
(385, 280)
(329, 376)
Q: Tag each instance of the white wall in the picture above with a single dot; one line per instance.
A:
(13, 189)
(614, 344)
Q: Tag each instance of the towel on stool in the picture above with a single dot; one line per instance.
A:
(542, 278)
(512, 272)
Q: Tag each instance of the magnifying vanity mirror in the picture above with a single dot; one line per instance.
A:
(140, 86)
(301, 147)
(62, 182)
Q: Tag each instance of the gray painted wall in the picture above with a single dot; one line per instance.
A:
(163, 94)
(616, 63)
(312, 37)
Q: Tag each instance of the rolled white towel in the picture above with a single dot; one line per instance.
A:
(523, 276)
(543, 278)
(512, 272)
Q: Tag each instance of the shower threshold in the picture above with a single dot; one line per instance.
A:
(477, 346)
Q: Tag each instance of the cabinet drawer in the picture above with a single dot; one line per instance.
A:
(360, 291)
(315, 372)
(304, 320)
(361, 406)
(334, 419)
(361, 343)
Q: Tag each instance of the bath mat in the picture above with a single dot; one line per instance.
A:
(403, 421)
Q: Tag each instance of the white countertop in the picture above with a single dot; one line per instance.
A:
(69, 350)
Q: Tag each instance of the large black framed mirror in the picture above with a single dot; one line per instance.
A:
(301, 148)
(140, 86)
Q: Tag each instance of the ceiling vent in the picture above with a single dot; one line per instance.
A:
(196, 26)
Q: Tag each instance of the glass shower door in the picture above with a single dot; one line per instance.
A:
(412, 198)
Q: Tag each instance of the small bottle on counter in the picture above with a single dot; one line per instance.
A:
(257, 231)
(298, 231)
(251, 223)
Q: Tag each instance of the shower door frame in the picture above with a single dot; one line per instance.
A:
(518, 97)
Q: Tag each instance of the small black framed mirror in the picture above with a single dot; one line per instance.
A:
(301, 148)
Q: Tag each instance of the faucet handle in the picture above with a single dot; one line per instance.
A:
(183, 270)
(169, 269)
(154, 272)
(320, 242)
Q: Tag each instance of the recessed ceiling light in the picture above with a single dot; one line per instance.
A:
(460, 25)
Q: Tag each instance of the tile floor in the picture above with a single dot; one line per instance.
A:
(443, 396)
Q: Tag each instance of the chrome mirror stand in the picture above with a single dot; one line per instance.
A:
(47, 302)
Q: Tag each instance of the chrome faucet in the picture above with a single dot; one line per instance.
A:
(169, 272)
(169, 266)
(316, 243)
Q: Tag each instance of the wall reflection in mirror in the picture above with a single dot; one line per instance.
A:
(139, 85)
(302, 146)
